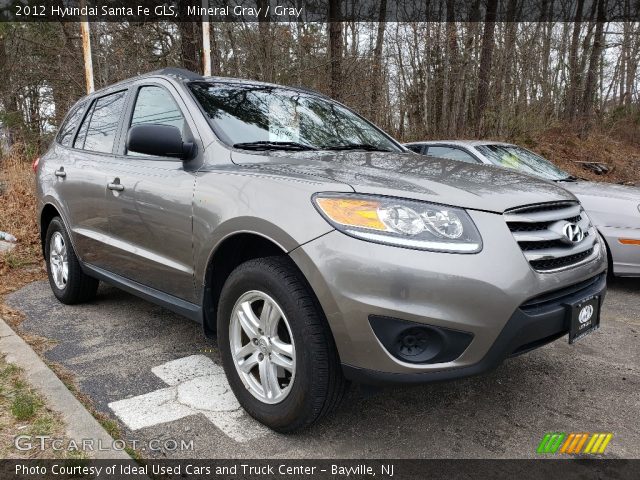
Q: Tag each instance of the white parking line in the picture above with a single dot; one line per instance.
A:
(196, 385)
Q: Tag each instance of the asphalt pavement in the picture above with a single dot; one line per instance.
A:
(160, 378)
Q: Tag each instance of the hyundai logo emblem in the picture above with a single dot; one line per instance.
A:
(573, 232)
(585, 313)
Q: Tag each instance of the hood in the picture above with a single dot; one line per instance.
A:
(603, 190)
(409, 175)
(608, 204)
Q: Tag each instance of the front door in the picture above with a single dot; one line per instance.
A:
(150, 203)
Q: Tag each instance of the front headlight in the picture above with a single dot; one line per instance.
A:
(399, 222)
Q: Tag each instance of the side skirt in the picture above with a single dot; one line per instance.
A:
(181, 307)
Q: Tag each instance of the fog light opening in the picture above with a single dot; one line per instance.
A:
(417, 343)
(412, 342)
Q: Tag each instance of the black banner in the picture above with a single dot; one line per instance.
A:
(318, 10)
(319, 469)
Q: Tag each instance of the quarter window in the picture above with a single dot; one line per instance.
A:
(69, 126)
(451, 153)
(82, 133)
(98, 131)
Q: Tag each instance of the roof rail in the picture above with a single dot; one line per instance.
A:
(176, 72)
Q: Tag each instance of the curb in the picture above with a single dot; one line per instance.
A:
(80, 424)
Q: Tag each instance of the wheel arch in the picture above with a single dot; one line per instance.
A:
(48, 213)
(228, 254)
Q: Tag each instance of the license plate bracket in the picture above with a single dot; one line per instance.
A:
(584, 318)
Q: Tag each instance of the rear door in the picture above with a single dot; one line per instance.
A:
(80, 178)
(149, 199)
(63, 179)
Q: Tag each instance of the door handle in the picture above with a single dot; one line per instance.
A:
(116, 186)
(60, 173)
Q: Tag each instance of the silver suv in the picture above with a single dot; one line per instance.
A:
(319, 249)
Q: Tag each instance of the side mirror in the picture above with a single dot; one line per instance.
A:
(159, 140)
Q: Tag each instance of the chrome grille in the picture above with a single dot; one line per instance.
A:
(538, 229)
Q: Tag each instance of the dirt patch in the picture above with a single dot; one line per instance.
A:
(24, 263)
(565, 149)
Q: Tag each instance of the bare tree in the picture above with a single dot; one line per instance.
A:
(594, 59)
(190, 45)
(335, 48)
(486, 57)
(376, 77)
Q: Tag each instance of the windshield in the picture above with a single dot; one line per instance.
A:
(278, 118)
(518, 158)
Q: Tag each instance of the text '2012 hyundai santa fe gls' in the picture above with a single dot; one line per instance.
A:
(319, 249)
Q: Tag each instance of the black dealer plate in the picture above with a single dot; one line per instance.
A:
(585, 318)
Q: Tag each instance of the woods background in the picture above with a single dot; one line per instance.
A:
(534, 83)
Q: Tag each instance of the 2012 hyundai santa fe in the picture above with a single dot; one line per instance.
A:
(319, 249)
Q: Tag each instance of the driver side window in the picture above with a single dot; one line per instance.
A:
(155, 105)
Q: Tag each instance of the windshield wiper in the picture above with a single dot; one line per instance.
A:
(355, 146)
(267, 145)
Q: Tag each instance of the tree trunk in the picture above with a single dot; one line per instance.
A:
(546, 52)
(484, 74)
(190, 45)
(589, 97)
(574, 75)
(502, 100)
(335, 49)
(216, 67)
(265, 44)
(463, 91)
(376, 79)
(450, 70)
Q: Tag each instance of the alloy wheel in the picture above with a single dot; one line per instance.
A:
(59, 261)
(262, 347)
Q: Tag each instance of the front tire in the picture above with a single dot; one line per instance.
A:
(69, 283)
(276, 346)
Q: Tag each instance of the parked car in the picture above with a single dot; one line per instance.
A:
(613, 209)
(319, 249)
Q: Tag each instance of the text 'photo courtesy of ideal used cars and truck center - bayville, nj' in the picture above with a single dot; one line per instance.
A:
(320, 239)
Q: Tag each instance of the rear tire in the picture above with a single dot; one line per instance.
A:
(69, 283)
(312, 384)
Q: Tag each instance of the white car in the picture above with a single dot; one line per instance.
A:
(613, 209)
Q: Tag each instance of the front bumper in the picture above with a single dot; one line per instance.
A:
(480, 294)
(533, 325)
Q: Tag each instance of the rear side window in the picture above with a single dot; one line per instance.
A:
(98, 130)
(451, 153)
(65, 135)
(82, 133)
